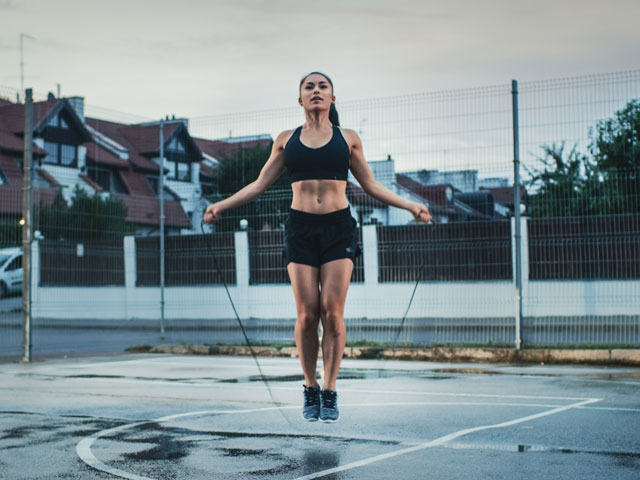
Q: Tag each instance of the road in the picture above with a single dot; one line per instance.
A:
(183, 417)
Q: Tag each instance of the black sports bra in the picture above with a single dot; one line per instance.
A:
(328, 162)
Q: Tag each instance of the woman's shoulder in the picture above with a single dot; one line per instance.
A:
(284, 136)
(351, 136)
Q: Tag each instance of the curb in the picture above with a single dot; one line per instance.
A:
(436, 354)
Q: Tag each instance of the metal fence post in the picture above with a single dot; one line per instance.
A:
(516, 212)
(27, 210)
(161, 188)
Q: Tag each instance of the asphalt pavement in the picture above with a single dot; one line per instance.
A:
(200, 417)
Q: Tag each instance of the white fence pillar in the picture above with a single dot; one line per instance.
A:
(520, 295)
(129, 247)
(370, 262)
(35, 275)
(241, 299)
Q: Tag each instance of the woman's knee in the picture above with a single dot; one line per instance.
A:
(308, 318)
(332, 320)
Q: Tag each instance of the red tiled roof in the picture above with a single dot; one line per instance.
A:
(101, 156)
(142, 203)
(146, 210)
(357, 196)
(136, 183)
(13, 114)
(116, 132)
(504, 195)
(48, 177)
(207, 171)
(11, 170)
(11, 199)
(434, 194)
(220, 149)
(10, 141)
(146, 138)
(91, 183)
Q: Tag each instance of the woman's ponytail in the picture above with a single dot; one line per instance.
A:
(333, 115)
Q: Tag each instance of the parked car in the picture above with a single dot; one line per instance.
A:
(10, 271)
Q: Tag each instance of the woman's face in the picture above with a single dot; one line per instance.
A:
(316, 93)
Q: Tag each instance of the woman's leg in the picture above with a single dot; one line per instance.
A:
(334, 280)
(305, 281)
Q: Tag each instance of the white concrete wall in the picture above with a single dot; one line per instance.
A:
(365, 300)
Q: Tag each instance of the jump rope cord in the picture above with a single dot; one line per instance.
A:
(415, 287)
(244, 332)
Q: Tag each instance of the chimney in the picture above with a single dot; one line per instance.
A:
(78, 105)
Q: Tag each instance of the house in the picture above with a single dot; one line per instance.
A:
(111, 159)
(446, 202)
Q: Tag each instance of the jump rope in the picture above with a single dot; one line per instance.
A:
(263, 377)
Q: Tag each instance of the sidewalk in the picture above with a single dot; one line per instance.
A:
(436, 354)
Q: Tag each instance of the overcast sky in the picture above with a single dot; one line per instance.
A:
(206, 57)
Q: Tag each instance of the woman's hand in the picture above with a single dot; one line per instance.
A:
(420, 213)
(212, 213)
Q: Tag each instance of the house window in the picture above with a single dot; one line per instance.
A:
(183, 171)
(61, 154)
(52, 153)
(177, 161)
(107, 179)
(153, 182)
(68, 155)
(178, 170)
(59, 122)
(176, 146)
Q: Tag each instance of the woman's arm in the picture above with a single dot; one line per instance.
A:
(362, 172)
(270, 172)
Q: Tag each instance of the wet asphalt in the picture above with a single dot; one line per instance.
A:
(188, 417)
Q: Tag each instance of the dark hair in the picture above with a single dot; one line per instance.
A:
(333, 113)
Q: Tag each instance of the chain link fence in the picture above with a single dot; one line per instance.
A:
(102, 280)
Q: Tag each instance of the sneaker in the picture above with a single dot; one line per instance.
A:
(329, 406)
(311, 407)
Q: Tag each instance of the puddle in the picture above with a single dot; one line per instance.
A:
(480, 371)
(346, 374)
(539, 448)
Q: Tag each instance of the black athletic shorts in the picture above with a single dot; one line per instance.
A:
(314, 239)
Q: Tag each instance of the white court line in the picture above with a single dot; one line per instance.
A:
(259, 386)
(83, 448)
(612, 409)
(443, 439)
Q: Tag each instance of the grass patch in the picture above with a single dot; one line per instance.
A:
(583, 346)
(139, 349)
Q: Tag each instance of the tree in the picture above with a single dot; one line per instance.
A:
(607, 183)
(241, 168)
(560, 185)
(88, 218)
(616, 151)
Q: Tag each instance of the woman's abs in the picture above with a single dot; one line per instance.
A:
(319, 196)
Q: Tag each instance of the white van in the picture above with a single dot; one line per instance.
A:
(10, 271)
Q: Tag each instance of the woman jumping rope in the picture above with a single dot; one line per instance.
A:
(320, 233)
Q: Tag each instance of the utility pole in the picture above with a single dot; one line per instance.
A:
(516, 215)
(161, 188)
(22, 37)
(27, 216)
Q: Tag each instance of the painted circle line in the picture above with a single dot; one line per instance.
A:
(83, 448)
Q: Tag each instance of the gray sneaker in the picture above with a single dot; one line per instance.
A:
(311, 406)
(329, 406)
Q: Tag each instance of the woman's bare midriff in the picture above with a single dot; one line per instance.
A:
(319, 196)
